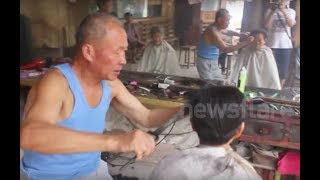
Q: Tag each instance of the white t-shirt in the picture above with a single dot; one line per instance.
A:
(204, 162)
(277, 36)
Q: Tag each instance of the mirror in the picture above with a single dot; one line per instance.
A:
(210, 5)
(187, 22)
(138, 8)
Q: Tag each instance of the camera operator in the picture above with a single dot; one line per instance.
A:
(279, 19)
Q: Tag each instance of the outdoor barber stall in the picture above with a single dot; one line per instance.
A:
(271, 139)
(272, 126)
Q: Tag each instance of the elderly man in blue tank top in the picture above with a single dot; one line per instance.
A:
(211, 43)
(62, 132)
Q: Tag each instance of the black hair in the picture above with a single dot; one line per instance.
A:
(127, 14)
(221, 13)
(259, 31)
(223, 113)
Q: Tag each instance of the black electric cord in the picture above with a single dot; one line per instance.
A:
(131, 160)
(115, 156)
(174, 123)
(177, 134)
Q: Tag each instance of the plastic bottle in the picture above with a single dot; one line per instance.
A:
(242, 79)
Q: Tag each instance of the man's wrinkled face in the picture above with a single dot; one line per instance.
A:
(259, 41)
(157, 38)
(109, 56)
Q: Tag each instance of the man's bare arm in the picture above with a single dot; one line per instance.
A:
(132, 108)
(269, 18)
(230, 32)
(289, 21)
(40, 132)
(226, 49)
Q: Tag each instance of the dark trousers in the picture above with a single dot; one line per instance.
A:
(282, 57)
(222, 61)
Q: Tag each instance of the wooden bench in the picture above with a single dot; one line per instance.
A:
(168, 26)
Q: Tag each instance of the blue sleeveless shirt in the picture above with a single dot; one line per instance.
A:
(207, 51)
(83, 118)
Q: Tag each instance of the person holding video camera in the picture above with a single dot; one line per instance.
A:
(279, 19)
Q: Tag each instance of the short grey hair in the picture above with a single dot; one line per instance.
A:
(94, 27)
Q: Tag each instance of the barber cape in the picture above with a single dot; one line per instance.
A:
(161, 59)
(261, 68)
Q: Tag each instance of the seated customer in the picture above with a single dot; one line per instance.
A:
(135, 44)
(217, 124)
(260, 64)
(159, 56)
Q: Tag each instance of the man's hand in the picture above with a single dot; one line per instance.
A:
(141, 143)
(249, 39)
(244, 35)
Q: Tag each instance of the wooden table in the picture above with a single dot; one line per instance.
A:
(279, 129)
(283, 125)
(147, 101)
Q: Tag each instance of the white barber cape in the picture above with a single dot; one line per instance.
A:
(161, 59)
(261, 68)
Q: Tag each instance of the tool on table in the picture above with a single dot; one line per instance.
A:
(255, 100)
(36, 63)
(144, 88)
(273, 107)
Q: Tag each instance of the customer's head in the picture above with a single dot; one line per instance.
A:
(217, 114)
(222, 18)
(105, 6)
(260, 37)
(157, 34)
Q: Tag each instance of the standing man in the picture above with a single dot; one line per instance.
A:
(61, 134)
(135, 44)
(106, 6)
(211, 43)
(279, 19)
